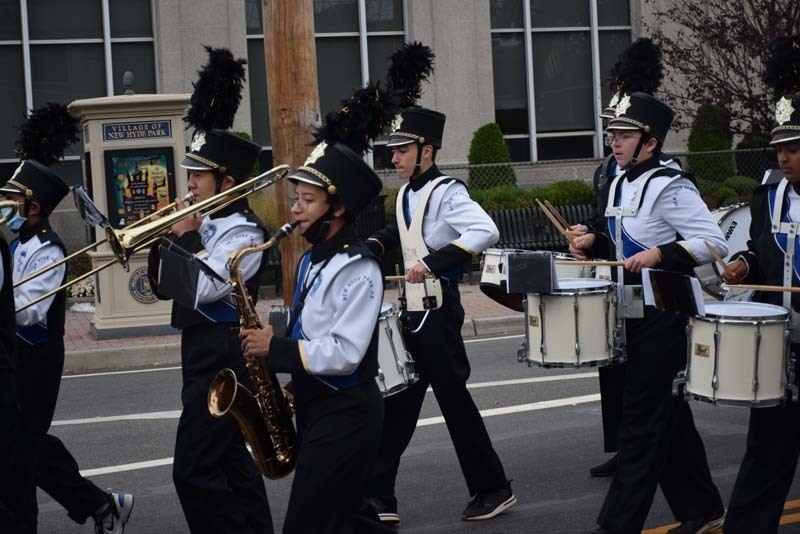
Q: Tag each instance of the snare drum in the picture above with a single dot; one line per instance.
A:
(574, 326)
(494, 274)
(738, 354)
(395, 365)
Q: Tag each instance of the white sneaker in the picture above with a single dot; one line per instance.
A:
(113, 520)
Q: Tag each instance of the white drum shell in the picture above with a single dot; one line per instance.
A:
(736, 354)
(577, 323)
(395, 365)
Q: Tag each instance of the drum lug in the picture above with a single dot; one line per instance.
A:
(715, 378)
(543, 345)
(755, 364)
(679, 385)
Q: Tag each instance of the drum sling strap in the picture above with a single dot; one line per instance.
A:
(628, 307)
(427, 295)
(790, 230)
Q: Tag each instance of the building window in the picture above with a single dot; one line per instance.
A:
(62, 51)
(551, 60)
(354, 39)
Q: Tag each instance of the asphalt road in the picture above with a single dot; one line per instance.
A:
(545, 425)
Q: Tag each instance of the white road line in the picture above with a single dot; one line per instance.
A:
(174, 414)
(157, 369)
(111, 373)
(555, 403)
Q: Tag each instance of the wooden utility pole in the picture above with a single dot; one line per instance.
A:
(291, 61)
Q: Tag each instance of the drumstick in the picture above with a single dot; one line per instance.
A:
(717, 257)
(557, 214)
(401, 278)
(756, 287)
(555, 222)
(593, 263)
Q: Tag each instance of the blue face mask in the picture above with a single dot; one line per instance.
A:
(15, 222)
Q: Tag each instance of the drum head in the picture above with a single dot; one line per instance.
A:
(745, 310)
(509, 300)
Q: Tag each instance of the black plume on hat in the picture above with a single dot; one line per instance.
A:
(45, 134)
(638, 69)
(217, 92)
(782, 66)
(410, 66)
(365, 116)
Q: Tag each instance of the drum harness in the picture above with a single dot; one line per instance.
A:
(790, 229)
(630, 302)
(426, 296)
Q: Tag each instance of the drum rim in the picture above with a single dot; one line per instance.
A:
(600, 287)
(777, 318)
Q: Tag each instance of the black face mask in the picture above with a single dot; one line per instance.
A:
(316, 231)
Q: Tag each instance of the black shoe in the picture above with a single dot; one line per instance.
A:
(606, 469)
(700, 526)
(486, 505)
(387, 514)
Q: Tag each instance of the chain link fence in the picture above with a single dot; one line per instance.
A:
(723, 177)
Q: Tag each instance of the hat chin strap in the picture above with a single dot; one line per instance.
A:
(635, 158)
(418, 164)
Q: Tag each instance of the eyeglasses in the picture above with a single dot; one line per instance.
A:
(620, 138)
(302, 203)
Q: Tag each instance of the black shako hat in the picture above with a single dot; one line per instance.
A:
(222, 151)
(340, 171)
(38, 183)
(642, 111)
(782, 74)
(419, 125)
(787, 115)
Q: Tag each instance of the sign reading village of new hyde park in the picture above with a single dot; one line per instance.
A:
(126, 131)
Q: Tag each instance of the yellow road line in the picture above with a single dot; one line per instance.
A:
(787, 519)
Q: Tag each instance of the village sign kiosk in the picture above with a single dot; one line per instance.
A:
(131, 145)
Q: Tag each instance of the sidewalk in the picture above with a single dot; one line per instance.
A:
(482, 317)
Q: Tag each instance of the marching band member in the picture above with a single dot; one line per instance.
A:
(638, 69)
(9, 402)
(42, 459)
(331, 345)
(218, 484)
(773, 439)
(446, 229)
(648, 206)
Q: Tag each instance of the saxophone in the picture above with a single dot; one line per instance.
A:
(265, 418)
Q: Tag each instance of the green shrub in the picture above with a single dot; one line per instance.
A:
(503, 197)
(711, 130)
(707, 188)
(724, 196)
(754, 164)
(743, 185)
(390, 202)
(570, 193)
(489, 146)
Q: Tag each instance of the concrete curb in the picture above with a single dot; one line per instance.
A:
(169, 354)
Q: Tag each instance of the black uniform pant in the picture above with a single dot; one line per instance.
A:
(441, 361)
(9, 431)
(339, 434)
(219, 485)
(767, 470)
(658, 442)
(612, 385)
(42, 459)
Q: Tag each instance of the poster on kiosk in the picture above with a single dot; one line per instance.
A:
(131, 144)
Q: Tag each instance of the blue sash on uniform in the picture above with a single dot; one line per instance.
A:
(781, 239)
(333, 381)
(630, 246)
(220, 311)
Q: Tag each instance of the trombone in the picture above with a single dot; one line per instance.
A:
(126, 241)
(169, 207)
